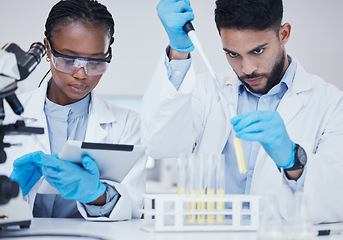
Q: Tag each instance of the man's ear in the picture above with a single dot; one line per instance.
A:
(285, 33)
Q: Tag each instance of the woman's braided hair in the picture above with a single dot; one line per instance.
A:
(85, 11)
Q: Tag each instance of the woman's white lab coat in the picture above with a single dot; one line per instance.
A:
(195, 117)
(106, 124)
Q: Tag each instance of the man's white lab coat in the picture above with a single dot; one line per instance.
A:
(106, 124)
(196, 118)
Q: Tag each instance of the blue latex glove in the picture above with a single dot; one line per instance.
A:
(266, 127)
(173, 15)
(27, 170)
(74, 182)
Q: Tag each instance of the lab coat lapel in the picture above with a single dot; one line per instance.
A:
(223, 128)
(34, 116)
(218, 116)
(291, 103)
(289, 106)
(99, 117)
(216, 126)
(43, 139)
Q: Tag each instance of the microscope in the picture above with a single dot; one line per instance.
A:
(15, 65)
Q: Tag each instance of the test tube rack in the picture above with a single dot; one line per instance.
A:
(171, 213)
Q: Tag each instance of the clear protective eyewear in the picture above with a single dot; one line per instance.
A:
(71, 64)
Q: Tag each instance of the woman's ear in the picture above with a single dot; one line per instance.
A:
(111, 41)
(48, 51)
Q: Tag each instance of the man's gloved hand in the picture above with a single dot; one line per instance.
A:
(74, 182)
(266, 127)
(27, 170)
(173, 15)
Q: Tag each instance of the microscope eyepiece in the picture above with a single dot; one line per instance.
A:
(38, 50)
(27, 61)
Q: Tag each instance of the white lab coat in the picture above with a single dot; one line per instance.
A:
(197, 117)
(106, 124)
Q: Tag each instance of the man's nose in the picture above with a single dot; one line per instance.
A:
(248, 66)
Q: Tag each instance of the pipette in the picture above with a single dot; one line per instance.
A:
(189, 29)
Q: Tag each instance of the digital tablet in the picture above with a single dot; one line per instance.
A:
(114, 160)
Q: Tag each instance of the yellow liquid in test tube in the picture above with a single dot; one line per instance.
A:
(210, 206)
(239, 155)
(192, 207)
(201, 206)
(220, 206)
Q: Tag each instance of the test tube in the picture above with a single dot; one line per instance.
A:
(190, 185)
(220, 184)
(237, 144)
(182, 175)
(199, 183)
(189, 29)
(210, 174)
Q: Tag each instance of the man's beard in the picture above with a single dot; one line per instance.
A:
(272, 79)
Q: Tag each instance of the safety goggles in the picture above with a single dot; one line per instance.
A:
(71, 64)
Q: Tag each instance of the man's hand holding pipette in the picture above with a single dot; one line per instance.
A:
(174, 14)
(268, 128)
(176, 17)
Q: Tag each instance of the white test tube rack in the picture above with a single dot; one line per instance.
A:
(169, 213)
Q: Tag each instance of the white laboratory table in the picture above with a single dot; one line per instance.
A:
(124, 230)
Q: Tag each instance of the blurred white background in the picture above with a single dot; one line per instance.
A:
(316, 39)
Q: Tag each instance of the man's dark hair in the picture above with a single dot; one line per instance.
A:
(249, 14)
(85, 11)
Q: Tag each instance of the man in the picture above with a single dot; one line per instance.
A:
(290, 121)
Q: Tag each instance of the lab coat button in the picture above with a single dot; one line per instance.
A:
(177, 73)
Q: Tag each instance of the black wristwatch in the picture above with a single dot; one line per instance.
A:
(300, 158)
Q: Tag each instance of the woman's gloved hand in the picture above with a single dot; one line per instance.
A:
(27, 170)
(174, 14)
(74, 182)
(268, 128)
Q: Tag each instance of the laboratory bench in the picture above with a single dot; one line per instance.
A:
(62, 228)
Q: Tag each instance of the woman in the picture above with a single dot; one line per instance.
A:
(79, 34)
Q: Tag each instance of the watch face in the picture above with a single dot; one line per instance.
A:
(301, 154)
